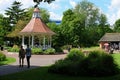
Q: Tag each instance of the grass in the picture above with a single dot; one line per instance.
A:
(117, 58)
(41, 73)
(7, 61)
(91, 48)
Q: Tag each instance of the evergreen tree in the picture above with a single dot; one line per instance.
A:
(15, 13)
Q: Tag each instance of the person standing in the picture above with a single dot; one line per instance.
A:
(28, 55)
(21, 56)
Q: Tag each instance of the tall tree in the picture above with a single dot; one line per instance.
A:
(68, 16)
(15, 13)
(57, 42)
(95, 22)
(83, 25)
(2, 31)
(117, 26)
(71, 28)
(4, 28)
(89, 12)
(103, 25)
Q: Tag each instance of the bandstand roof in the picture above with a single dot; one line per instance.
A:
(36, 26)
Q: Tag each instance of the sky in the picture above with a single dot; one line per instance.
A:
(111, 8)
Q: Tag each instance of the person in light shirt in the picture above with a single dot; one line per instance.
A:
(28, 55)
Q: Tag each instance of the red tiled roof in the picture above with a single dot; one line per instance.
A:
(36, 26)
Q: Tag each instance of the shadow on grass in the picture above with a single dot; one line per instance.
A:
(41, 73)
(10, 69)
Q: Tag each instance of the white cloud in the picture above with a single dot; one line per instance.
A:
(115, 4)
(114, 11)
(55, 16)
(111, 18)
(72, 3)
(54, 6)
(26, 3)
(4, 4)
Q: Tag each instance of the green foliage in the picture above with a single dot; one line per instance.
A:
(15, 13)
(44, 15)
(40, 51)
(49, 51)
(61, 66)
(4, 28)
(15, 48)
(117, 26)
(66, 47)
(67, 27)
(37, 51)
(97, 63)
(2, 56)
(84, 25)
(7, 61)
(75, 55)
(58, 49)
(58, 38)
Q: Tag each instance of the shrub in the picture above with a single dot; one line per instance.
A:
(69, 64)
(75, 55)
(58, 49)
(2, 56)
(97, 63)
(15, 48)
(60, 66)
(37, 51)
(49, 51)
(65, 46)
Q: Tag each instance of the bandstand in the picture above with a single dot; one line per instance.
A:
(36, 28)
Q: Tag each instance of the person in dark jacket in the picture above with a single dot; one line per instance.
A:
(21, 56)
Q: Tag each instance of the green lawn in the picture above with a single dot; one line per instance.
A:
(42, 74)
(91, 48)
(8, 61)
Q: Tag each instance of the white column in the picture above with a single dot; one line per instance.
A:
(23, 40)
(29, 40)
(39, 41)
(44, 43)
(32, 40)
(50, 41)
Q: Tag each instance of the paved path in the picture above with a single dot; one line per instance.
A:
(36, 61)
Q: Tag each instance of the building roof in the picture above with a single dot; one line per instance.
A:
(110, 37)
(36, 26)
